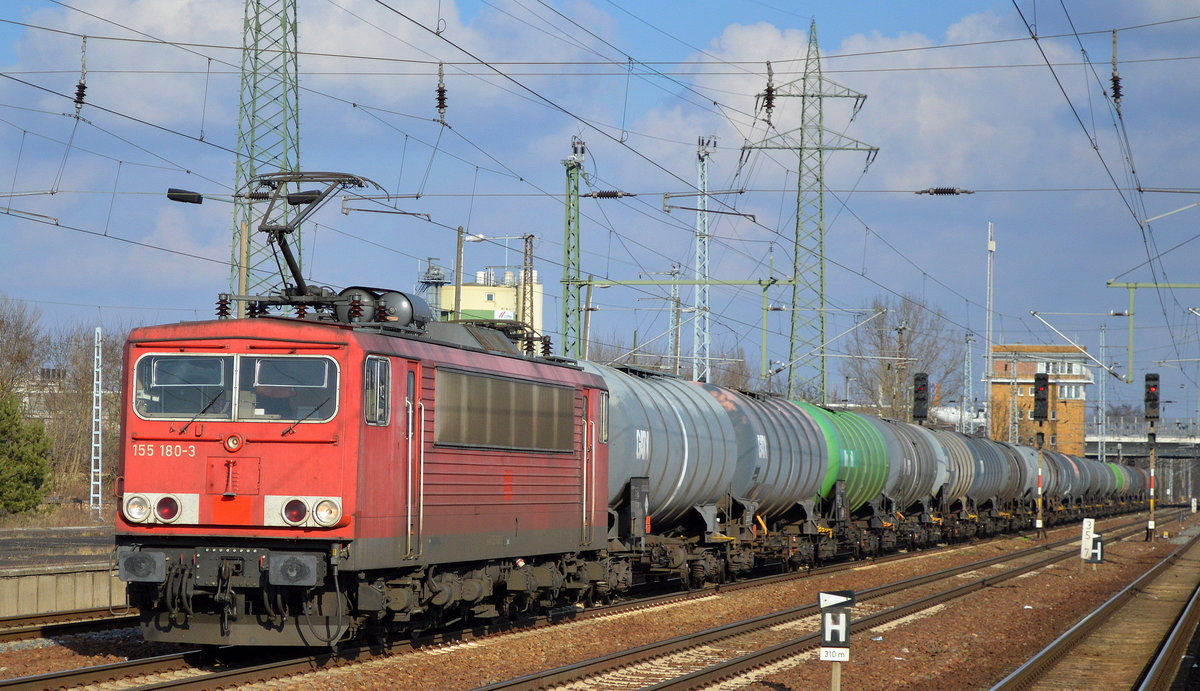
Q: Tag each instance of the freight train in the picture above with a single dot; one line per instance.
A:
(355, 467)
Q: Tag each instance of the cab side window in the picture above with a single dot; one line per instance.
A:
(377, 378)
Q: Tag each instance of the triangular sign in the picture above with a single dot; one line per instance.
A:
(837, 598)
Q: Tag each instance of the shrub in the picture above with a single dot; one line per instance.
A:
(24, 459)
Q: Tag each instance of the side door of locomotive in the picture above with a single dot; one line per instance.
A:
(379, 506)
(410, 453)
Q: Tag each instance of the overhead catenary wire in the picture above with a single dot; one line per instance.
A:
(861, 192)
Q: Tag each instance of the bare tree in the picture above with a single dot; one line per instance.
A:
(885, 354)
(614, 349)
(70, 354)
(22, 347)
(729, 369)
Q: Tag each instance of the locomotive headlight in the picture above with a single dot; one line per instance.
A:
(167, 509)
(137, 508)
(233, 442)
(327, 512)
(295, 511)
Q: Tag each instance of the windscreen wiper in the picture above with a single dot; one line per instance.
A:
(306, 416)
(202, 411)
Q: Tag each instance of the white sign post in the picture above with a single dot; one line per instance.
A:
(1085, 542)
(835, 631)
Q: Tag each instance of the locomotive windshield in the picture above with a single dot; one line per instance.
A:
(242, 387)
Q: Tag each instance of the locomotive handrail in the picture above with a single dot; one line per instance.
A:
(273, 440)
(409, 452)
(420, 476)
(583, 479)
(587, 512)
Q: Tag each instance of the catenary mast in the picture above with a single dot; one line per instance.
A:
(268, 135)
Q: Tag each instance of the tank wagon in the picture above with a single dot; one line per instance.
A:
(356, 467)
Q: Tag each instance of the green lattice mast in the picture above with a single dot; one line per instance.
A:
(572, 312)
(268, 135)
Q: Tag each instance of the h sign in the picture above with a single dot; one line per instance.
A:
(835, 627)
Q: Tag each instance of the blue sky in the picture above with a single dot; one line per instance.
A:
(958, 95)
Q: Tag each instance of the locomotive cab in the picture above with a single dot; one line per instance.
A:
(233, 442)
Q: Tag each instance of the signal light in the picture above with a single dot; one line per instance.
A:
(1041, 396)
(1151, 399)
(920, 396)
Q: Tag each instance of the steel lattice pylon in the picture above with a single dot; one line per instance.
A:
(812, 141)
(572, 328)
(701, 326)
(268, 135)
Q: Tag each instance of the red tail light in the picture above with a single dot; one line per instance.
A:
(167, 509)
(295, 511)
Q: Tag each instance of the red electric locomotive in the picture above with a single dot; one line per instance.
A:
(289, 481)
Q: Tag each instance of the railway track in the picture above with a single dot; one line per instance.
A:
(228, 668)
(63, 623)
(694, 660)
(1153, 619)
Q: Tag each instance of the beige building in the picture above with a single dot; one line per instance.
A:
(1014, 367)
(493, 296)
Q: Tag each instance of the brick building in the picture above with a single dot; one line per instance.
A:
(1014, 367)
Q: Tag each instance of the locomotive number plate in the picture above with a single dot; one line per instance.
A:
(165, 450)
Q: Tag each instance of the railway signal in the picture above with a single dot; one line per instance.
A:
(1151, 399)
(920, 409)
(1041, 396)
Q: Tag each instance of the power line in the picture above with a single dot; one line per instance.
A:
(609, 63)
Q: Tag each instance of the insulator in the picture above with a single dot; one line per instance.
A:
(1116, 87)
(223, 311)
(769, 99)
(606, 194)
(943, 190)
(441, 93)
(301, 310)
(381, 311)
(258, 196)
(80, 90)
(545, 346)
(355, 308)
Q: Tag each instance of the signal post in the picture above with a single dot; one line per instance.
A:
(1041, 408)
(1151, 411)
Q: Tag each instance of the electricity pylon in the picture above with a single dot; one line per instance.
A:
(812, 141)
(268, 135)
